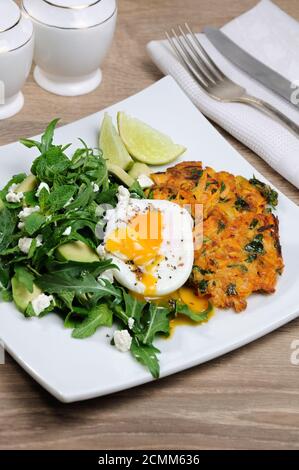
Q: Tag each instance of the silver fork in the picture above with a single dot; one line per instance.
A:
(203, 69)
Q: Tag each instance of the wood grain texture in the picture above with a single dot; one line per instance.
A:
(246, 399)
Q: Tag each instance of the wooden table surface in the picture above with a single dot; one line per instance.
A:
(246, 399)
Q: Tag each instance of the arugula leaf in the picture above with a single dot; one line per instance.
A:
(47, 137)
(58, 282)
(24, 277)
(155, 320)
(46, 140)
(134, 307)
(67, 298)
(34, 222)
(100, 315)
(183, 309)
(147, 355)
(83, 199)
(75, 268)
(136, 191)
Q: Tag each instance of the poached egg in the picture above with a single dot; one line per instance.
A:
(151, 243)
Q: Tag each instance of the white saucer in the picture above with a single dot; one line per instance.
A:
(12, 106)
(67, 86)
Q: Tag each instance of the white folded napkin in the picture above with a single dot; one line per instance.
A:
(272, 36)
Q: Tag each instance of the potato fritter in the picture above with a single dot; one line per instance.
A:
(240, 253)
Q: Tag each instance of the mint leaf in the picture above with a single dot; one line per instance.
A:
(34, 222)
(51, 164)
(147, 355)
(59, 197)
(8, 221)
(100, 315)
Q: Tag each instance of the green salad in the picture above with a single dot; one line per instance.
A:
(49, 262)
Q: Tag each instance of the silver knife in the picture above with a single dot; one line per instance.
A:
(253, 67)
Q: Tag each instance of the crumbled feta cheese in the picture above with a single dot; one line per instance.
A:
(123, 211)
(24, 244)
(21, 225)
(95, 187)
(131, 322)
(101, 251)
(42, 186)
(40, 303)
(68, 202)
(123, 195)
(122, 340)
(27, 211)
(11, 196)
(39, 240)
(145, 181)
(67, 231)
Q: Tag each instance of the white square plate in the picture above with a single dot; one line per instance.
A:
(73, 370)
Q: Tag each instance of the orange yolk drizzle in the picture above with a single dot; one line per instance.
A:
(187, 296)
(140, 242)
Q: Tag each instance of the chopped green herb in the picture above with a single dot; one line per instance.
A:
(221, 226)
(241, 204)
(253, 223)
(231, 289)
(254, 248)
(269, 194)
(242, 267)
(203, 286)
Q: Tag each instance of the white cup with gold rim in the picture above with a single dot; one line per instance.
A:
(72, 39)
(16, 52)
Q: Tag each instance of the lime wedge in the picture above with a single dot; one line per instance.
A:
(112, 146)
(146, 144)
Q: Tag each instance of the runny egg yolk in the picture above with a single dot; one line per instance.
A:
(140, 243)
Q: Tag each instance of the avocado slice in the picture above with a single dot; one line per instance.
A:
(139, 169)
(120, 174)
(22, 297)
(77, 251)
(29, 183)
